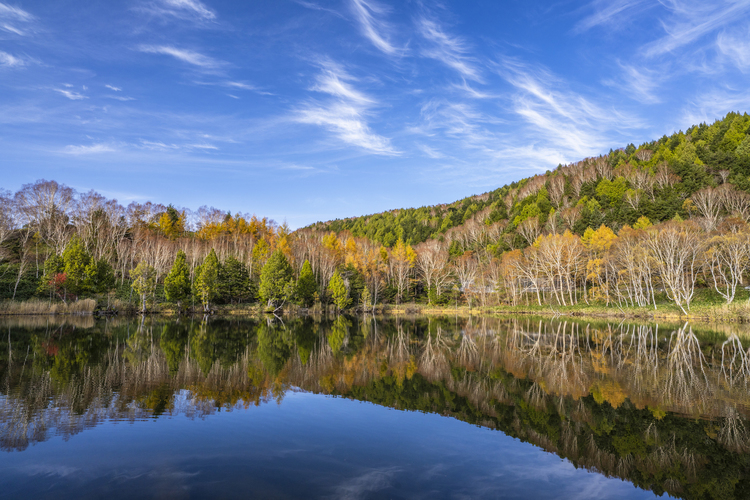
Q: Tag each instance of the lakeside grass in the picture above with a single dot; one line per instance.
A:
(738, 312)
(46, 307)
(708, 307)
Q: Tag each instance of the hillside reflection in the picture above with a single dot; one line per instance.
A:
(665, 407)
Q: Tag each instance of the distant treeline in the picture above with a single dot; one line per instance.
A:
(635, 227)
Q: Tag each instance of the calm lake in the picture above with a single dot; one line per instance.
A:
(363, 407)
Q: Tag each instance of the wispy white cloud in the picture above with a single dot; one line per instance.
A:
(184, 55)
(10, 12)
(472, 148)
(546, 125)
(202, 146)
(315, 6)
(472, 92)
(344, 114)
(379, 32)
(430, 152)
(334, 80)
(459, 121)
(235, 85)
(735, 46)
(117, 97)
(191, 6)
(12, 29)
(449, 49)
(161, 146)
(537, 155)
(158, 146)
(708, 106)
(87, 150)
(246, 86)
(607, 12)
(305, 168)
(689, 21)
(241, 85)
(9, 61)
(347, 123)
(73, 96)
(639, 84)
(564, 120)
(10, 15)
(193, 10)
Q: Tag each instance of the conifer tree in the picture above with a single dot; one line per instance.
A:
(206, 282)
(177, 283)
(276, 281)
(234, 281)
(76, 259)
(338, 290)
(100, 277)
(144, 282)
(307, 286)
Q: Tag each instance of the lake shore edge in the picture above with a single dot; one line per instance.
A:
(737, 312)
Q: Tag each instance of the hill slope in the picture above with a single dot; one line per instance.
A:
(652, 180)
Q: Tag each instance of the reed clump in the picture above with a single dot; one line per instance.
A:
(28, 307)
(737, 311)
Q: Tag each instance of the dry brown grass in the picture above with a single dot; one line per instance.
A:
(9, 307)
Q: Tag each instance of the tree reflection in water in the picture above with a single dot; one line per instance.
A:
(665, 407)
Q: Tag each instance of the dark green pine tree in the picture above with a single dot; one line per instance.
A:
(234, 281)
(177, 283)
(307, 287)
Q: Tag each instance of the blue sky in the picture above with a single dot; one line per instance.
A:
(310, 110)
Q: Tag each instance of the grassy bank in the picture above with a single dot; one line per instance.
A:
(37, 307)
(707, 307)
(738, 312)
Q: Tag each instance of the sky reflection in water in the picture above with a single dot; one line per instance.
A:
(237, 408)
(309, 445)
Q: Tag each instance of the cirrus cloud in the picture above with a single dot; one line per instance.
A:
(184, 55)
(88, 150)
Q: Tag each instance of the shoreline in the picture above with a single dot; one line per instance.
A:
(736, 313)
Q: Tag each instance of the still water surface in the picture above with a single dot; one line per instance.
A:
(372, 408)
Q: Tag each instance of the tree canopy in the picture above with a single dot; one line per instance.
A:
(276, 281)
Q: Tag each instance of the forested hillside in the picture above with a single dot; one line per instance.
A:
(639, 227)
(652, 180)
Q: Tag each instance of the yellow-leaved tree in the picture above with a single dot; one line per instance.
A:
(402, 260)
(598, 242)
